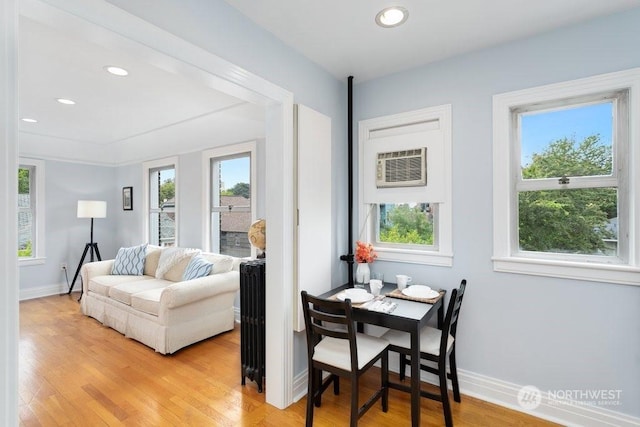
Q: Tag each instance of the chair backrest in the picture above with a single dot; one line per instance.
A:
(451, 318)
(329, 318)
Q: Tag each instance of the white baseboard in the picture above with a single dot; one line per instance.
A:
(45, 291)
(561, 411)
(506, 394)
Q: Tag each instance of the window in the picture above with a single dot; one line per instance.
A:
(231, 198)
(161, 202)
(562, 180)
(406, 202)
(31, 221)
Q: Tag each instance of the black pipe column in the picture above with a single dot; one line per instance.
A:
(349, 257)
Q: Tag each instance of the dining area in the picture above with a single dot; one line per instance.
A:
(420, 325)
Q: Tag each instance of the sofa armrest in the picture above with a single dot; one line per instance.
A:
(182, 293)
(94, 269)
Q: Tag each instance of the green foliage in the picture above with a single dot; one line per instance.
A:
(565, 158)
(167, 190)
(26, 252)
(240, 189)
(564, 220)
(405, 224)
(23, 181)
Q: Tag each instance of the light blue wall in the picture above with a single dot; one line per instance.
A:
(66, 235)
(552, 333)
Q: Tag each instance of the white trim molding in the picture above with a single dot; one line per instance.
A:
(39, 234)
(506, 254)
(217, 153)
(9, 311)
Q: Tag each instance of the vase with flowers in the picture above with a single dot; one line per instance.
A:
(365, 255)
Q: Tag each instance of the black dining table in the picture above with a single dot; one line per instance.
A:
(408, 316)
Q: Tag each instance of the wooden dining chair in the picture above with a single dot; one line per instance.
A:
(435, 346)
(333, 345)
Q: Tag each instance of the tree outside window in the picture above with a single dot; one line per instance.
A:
(25, 212)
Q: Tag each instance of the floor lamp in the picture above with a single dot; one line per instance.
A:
(89, 209)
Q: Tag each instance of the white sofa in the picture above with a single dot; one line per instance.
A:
(165, 314)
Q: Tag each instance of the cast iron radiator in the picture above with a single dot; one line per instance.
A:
(252, 331)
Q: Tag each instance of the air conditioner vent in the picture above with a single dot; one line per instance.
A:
(406, 168)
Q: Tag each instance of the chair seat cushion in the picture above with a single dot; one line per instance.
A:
(429, 340)
(336, 352)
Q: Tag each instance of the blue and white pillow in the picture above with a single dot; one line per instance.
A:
(130, 261)
(198, 267)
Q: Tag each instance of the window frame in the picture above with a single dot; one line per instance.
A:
(37, 183)
(226, 152)
(507, 257)
(147, 167)
(441, 253)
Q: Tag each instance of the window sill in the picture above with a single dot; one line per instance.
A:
(26, 262)
(415, 257)
(620, 274)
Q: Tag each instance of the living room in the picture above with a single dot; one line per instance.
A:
(516, 330)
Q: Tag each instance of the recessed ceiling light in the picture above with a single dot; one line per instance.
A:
(116, 71)
(29, 120)
(392, 16)
(65, 101)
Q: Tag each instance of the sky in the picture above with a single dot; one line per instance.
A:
(235, 171)
(540, 128)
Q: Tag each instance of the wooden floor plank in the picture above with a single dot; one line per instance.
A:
(75, 372)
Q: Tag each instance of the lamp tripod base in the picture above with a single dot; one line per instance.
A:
(90, 248)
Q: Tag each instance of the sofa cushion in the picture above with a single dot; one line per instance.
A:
(147, 301)
(151, 261)
(176, 272)
(101, 284)
(130, 261)
(198, 267)
(123, 291)
(170, 257)
(221, 263)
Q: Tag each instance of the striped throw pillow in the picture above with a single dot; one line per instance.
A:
(130, 261)
(198, 267)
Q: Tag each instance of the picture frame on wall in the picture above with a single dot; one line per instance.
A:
(127, 198)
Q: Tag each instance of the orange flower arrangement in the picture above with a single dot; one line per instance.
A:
(365, 252)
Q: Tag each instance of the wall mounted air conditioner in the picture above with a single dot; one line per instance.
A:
(405, 168)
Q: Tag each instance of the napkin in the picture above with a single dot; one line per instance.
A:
(382, 306)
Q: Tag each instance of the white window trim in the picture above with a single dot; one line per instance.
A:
(146, 168)
(224, 151)
(39, 245)
(505, 259)
(443, 255)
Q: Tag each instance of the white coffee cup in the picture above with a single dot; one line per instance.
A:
(375, 286)
(402, 281)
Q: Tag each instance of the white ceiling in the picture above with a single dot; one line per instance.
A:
(342, 37)
(157, 108)
(116, 120)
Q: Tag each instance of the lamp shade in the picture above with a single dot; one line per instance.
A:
(92, 209)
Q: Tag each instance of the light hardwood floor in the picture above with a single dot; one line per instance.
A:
(75, 372)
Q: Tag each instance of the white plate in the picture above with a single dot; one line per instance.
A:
(420, 291)
(357, 299)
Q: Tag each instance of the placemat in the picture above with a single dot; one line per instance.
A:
(397, 293)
